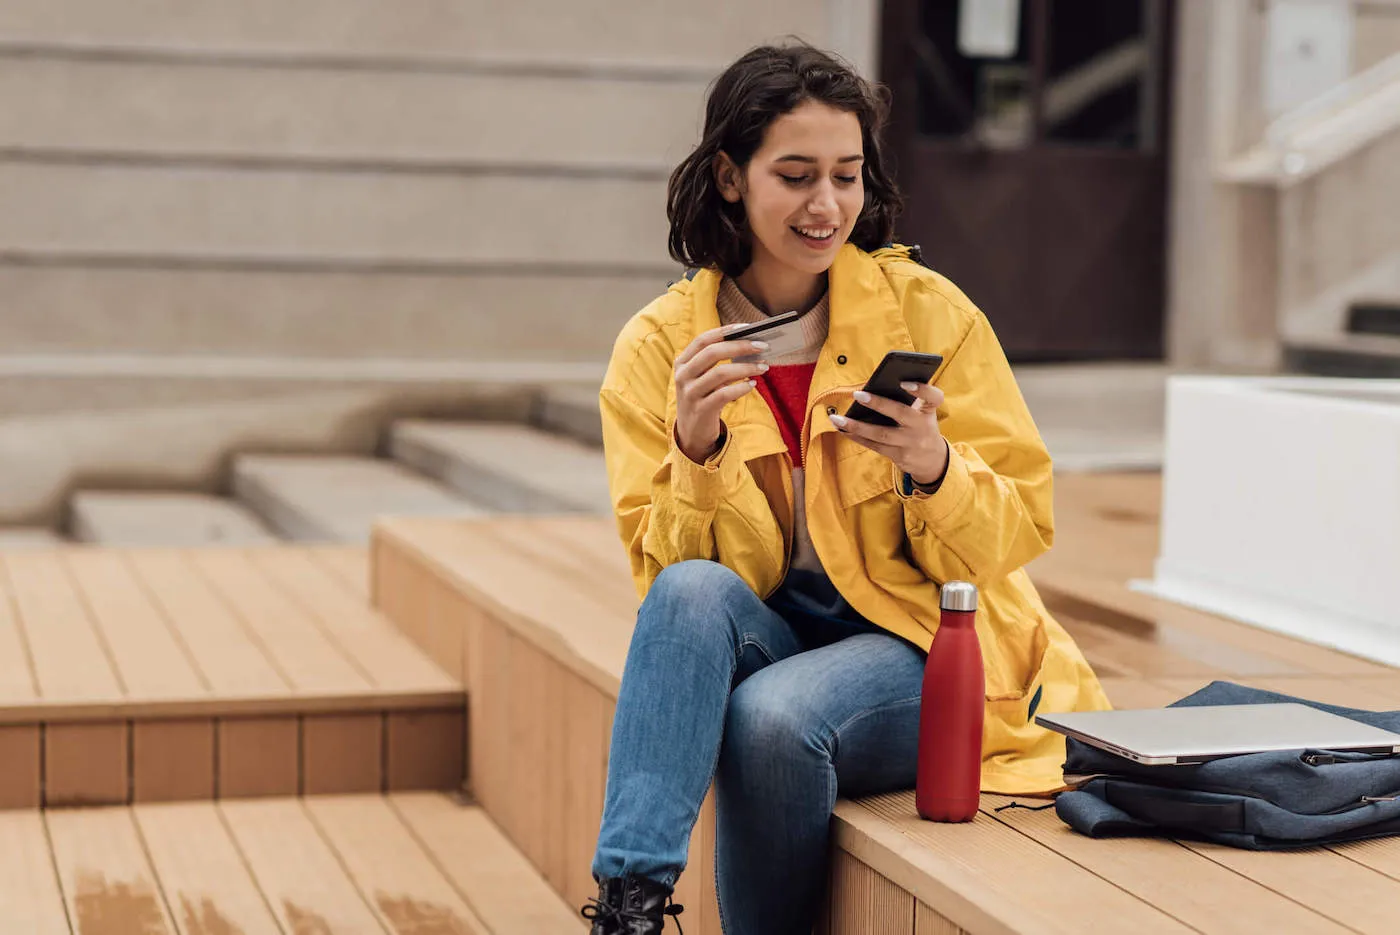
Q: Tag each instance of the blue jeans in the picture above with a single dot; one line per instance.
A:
(784, 712)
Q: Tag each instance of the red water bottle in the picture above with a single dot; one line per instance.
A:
(950, 713)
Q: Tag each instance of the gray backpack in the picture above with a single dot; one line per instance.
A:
(1260, 801)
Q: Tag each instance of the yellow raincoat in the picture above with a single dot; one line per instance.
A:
(885, 552)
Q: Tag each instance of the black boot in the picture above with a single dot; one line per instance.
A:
(631, 906)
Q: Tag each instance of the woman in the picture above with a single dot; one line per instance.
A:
(790, 559)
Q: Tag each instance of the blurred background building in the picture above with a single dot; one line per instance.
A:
(233, 230)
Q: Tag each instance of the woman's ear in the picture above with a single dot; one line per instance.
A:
(728, 179)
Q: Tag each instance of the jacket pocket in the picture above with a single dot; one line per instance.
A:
(862, 475)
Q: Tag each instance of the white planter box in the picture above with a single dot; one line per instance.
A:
(1281, 507)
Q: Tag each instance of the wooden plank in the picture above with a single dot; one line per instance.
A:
(207, 887)
(506, 586)
(30, 900)
(397, 878)
(587, 720)
(929, 922)
(149, 659)
(1133, 692)
(259, 756)
(1380, 854)
(387, 659)
(342, 753)
(535, 714)
(488, 713)
(108, 885)
(425, 750)
(231, 659)
(70, 661)
(705, 906)
(86, 764)
(1199, 892)
(1132, 654)
(865, 903)
(1333, 886)
(554, 543)
(310, 661)
(348, 563)
(444, 620)
(21, 753)
(986, 877)
(17, 681)
(485, 868)
(172, 761)
(301, 878)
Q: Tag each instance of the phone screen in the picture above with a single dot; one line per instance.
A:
(897, 367)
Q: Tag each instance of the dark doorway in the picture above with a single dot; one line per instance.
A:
(1034, 167)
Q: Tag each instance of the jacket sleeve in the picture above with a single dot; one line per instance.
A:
(992, 514)
(670, 509)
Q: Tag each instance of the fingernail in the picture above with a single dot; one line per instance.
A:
(862, 396)
(909, 387)
(838, 421)
(760, 345)
(762, 367)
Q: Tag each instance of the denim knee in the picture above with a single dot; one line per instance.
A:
(772, 727)
(693, 592)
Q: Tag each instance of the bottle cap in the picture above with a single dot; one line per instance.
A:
(958, 595)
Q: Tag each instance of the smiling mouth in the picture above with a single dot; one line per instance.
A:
(816, 236)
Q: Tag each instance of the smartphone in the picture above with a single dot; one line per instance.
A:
(782, 333)
(897, 367)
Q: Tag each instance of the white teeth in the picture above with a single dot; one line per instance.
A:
(817, 233)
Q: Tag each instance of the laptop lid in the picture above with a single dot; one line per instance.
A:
(1163, 736)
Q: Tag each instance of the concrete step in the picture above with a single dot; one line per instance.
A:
(130, 213)
(28, 537)
(433, 119)
(317, 313)
(670, 32)
(510, 468)
(1346, 355)
(571, 411)
(163, 518)
(174, 423)
(337, 498)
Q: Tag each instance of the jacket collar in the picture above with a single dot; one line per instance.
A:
(866, 322)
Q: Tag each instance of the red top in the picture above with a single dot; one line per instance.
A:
(784, 387)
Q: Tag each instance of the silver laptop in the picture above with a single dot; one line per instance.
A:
(1165, 736)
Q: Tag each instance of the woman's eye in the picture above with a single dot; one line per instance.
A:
(794, 180)
(846, 179)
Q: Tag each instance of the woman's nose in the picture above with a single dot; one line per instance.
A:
(823, 200)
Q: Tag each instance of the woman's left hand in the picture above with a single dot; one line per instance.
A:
(914, 443)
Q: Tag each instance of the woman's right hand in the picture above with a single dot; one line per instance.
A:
(704, 386)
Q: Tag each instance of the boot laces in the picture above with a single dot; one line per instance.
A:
(602, 910)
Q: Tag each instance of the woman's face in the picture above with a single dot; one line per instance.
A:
(803, 190)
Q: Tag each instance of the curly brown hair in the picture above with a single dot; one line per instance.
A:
(762, 85)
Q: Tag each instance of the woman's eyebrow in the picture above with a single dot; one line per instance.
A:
(793, 157)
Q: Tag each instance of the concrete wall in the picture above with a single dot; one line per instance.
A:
(1223, 279)
(261, 224)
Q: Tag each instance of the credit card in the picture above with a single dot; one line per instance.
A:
(783, 337)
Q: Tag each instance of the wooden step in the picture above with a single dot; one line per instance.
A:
(544, 681)
(510, 468)
(129, 213)
(131, 518)
(336, 498)
(59, 107)
(162, 674)
(342, 864)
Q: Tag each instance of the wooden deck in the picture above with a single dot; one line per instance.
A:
(535, 616)
(152, 675)
(407, 864)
